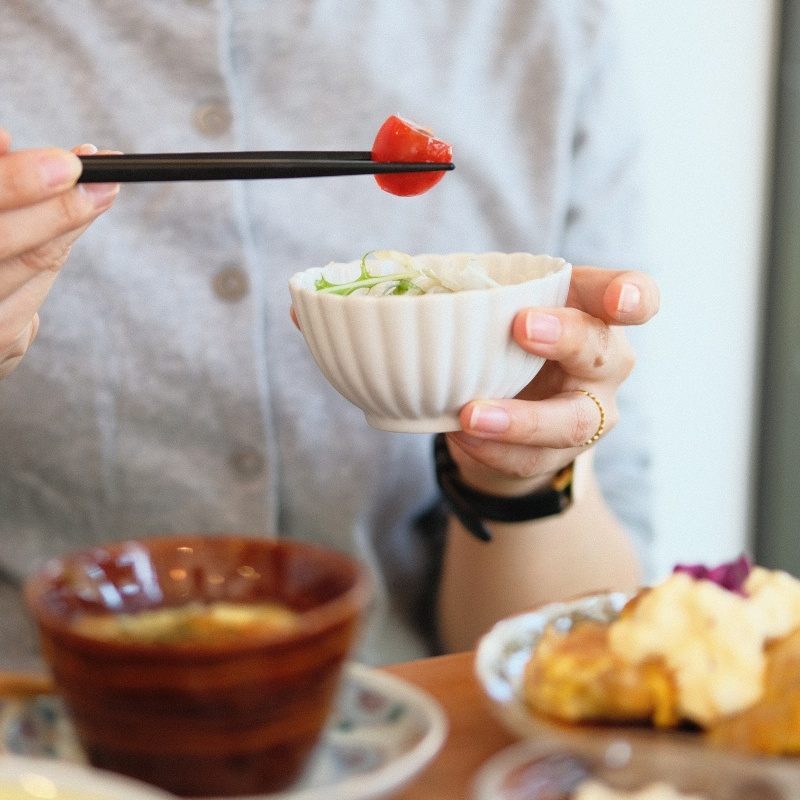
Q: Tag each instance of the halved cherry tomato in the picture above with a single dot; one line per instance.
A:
(400, 139)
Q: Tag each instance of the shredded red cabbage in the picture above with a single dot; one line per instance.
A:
(731, 575)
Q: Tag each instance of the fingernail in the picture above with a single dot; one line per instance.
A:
(101, 193)
(629, 298)
(59, 170)
(544, 328)
(489, 419)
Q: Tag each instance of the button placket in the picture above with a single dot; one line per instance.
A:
(230, 284)
(247, 462)
(213, 118)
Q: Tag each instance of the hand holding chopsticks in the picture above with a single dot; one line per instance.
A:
(242, 166)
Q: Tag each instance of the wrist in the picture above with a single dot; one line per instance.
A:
(481, 478)
(490, 482)
(474, 506)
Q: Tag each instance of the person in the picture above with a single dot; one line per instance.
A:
(165, 388)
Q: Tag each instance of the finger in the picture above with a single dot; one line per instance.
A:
(89, 149)
(37, 268)
(617, 297)
(30, 176)
(584, 346)
(26, 229)
(25, 282)
(5, 141)
(11, 353)
(568, 420)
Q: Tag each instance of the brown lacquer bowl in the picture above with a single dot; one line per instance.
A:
(212, 715)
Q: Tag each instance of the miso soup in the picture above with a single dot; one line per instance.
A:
(190, 623)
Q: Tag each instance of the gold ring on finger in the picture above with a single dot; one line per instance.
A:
(602, 426)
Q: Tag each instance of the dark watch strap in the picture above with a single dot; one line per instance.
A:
(472, 507)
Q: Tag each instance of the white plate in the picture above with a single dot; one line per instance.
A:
(384, 731)
(532, 770)
(33, 778)
(505, 650)
(500, 663)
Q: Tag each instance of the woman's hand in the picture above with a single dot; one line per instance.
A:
(512, 447)
(42, 212)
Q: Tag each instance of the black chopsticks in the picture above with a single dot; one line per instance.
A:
(241, 166)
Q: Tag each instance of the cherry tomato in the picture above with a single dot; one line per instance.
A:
(402, 140)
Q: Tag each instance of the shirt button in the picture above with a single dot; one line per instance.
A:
(213, 119)
(246, 462)
(230, 284)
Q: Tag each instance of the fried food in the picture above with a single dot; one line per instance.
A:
(576, 676)
(772, 723)
(688, 650)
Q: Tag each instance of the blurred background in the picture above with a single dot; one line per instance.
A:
(717, 85)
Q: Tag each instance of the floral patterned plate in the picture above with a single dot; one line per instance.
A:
(383, 732)
(626, 754)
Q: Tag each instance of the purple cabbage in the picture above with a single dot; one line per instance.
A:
(731, 575)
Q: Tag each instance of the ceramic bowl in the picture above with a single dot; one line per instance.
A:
(35, 779)
(410, 362)
(211, 716)
(540, 770)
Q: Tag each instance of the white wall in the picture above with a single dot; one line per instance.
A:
(704, 71)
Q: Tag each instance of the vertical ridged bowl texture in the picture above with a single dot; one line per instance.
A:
(202, 718)
(411, 362)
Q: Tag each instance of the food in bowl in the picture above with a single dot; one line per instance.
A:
(390, 273)
(221, 715)
(39, 787)
(193, 622)
(596, 790)
(400, 139)
(24, 778)
(35, 787)
(40, 790)
(410, 339)
(626, 768)
(717, 650)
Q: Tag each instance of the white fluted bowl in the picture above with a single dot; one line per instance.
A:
(410, 362)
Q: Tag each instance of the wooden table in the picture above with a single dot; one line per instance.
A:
(474, 734)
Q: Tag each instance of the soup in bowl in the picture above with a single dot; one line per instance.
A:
(206, 665)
